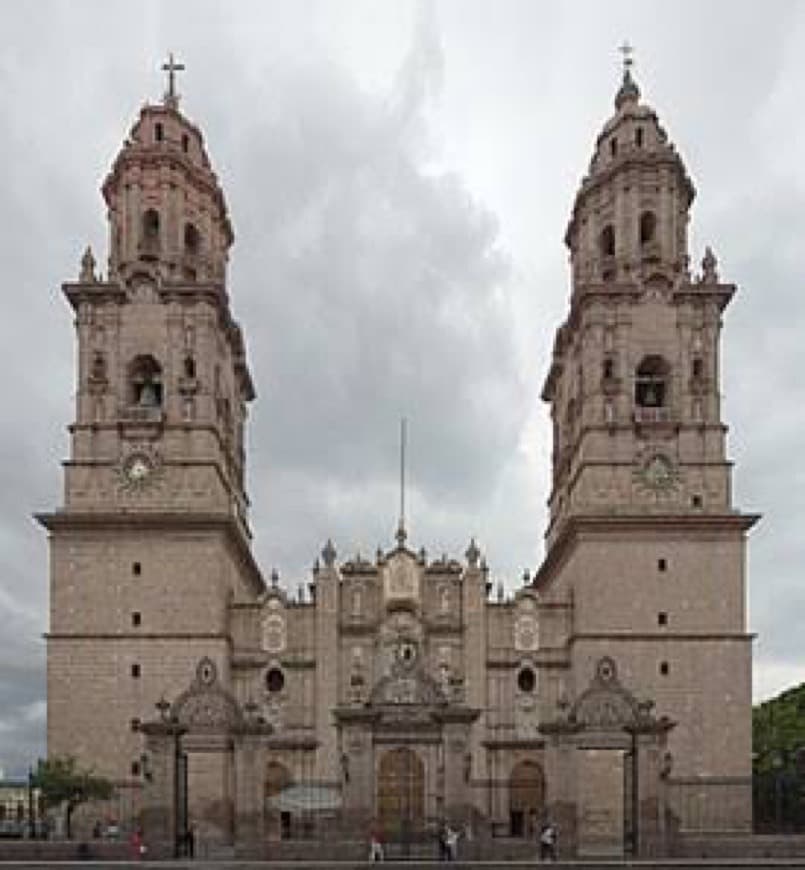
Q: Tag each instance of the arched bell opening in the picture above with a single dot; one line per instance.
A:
(145, 382)
(652, 382)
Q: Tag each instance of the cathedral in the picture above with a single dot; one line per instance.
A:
(611, 693)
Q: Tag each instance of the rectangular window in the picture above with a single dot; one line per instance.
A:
(136, 569)
(136, 618)
(135, 671)
(662, 618)
(662, 565)
(664, 668)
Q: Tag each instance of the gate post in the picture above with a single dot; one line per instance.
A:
(250, 768)
(160, 793)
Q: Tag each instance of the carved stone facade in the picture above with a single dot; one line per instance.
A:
(399, 689)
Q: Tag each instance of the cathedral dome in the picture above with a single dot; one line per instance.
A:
(167, 211)
(631, 207)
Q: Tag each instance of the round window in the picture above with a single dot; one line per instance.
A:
(275, 680)
(526, 680)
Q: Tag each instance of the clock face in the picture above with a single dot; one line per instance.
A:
(658, 472)
(137, 468)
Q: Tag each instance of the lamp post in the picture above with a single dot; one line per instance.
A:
(777, 766)
(31, 825)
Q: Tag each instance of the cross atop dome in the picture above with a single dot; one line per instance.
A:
(171, 67)
(628, 90)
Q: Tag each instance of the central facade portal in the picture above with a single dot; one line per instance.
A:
(401, 791)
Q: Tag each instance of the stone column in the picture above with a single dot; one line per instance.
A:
(159, 812)
(250, 765)
(457, 761)
(357, 767)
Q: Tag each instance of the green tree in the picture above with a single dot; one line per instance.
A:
(63, 784)
(778, 730)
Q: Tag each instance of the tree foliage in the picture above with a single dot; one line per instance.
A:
(63, 784)
(778, 732)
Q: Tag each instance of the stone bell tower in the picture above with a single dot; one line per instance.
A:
(152, 539)
(643, 539)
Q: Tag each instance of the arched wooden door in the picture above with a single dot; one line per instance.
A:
(401, 792)
(526, 798)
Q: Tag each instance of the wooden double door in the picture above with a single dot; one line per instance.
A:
(401, 793)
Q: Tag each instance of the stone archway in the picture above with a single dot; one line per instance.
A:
(526, 798)
(400, 792)
(206, 759)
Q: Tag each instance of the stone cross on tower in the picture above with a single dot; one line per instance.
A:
(171, 98)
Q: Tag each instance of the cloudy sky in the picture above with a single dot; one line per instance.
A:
(399, 176)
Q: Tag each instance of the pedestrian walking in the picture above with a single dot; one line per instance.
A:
(376, 846)
(547, 842)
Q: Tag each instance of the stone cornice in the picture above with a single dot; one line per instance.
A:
(137, 635)
(514, 743)
(61, 521)
(668, 524)
(693, 636)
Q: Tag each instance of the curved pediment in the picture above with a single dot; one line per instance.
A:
(606, 704)
(206, 705)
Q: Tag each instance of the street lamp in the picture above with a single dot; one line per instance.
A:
(31, 825)
(777, 763)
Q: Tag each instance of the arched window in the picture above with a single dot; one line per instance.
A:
(651, 382)
(638, 137)
(192, 240)
(189, 367)
(145, 382)
(607, 241)
(149, 240)
(648, 227)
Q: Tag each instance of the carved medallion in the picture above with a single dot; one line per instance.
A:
(526, 634)
(274, 633)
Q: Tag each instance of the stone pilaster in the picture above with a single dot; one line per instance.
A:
(250, 765)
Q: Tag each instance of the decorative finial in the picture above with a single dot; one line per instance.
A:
(473, 554)
(274, 577)
(423, 555)
(526, 577)
(709, 267)
(627, 51)
(171, 98)
(629, 91)
(329, 554)
(500, 593)
(87, 274)
(316, 566)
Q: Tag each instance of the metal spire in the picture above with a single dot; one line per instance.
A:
(401, 533)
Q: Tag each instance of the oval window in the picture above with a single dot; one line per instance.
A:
(526, 680)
